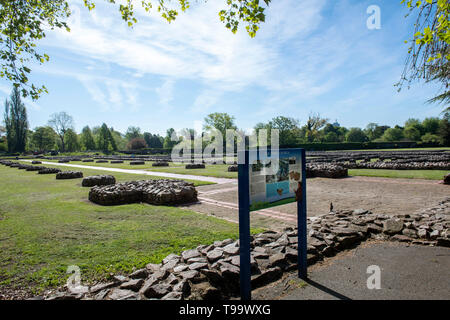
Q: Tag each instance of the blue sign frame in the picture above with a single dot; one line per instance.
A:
(244, 219)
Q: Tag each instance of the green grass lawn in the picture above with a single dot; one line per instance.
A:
(48, 224)
(410, 174)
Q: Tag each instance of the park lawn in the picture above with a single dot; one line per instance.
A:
(410, 174)
(47, 225)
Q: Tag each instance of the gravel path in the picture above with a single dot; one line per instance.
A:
(149, 173)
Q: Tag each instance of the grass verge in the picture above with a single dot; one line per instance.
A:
(47, 225)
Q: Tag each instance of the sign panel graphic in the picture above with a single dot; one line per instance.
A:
(273, 182)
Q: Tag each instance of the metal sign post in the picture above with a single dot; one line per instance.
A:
(245, 203)
(244, 225)
(301, 224)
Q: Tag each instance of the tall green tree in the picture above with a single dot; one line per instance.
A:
(168, 143)
(392, 134)
(444, 129)
(153, 140)
(356, 135)
(220, 121)
(16, 122)
(71, 141)
(430, 125)
(132, 133)
(105, 140)
(87, 140)
(43, 138)
(313, 126)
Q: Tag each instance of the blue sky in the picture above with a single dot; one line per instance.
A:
(309, 56)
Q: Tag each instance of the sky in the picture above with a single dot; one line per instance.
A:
(310, 56)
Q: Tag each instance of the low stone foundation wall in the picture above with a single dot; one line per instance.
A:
(100, 180)
(160, 164)
(325, 170)
(133, 163)
(116, 161)
(101, 161)
(35, 168)
(49, 171)
(69, 175)
(87, 160)
(195, 166)
(396, 165)
(158, 192)
(212, 271)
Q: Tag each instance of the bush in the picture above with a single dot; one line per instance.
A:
(136, 144)
(431, 138)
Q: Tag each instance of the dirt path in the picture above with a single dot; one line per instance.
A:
(149, 173)
(380, 195)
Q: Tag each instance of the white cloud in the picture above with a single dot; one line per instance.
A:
(205, 101)
(165, 93)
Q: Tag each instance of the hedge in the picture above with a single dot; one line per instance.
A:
(317, 146)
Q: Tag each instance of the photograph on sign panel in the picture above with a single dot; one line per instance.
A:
(268, 188)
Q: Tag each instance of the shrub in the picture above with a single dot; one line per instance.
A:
(136, 144)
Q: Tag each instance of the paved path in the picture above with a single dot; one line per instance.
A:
(407, 272)
(149, 173)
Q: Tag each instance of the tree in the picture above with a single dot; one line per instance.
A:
(133, 132)
(392, 134)
(25, 22)
(87, 140)
(313, 126)
(71, 141)
(105, 141)
(168, 143)
(288, 129)
(373, 131)
(153, 140)
(219, 121)
(331, 137)
(412, 133)
(119, 139)
(429, 53)
(431, 138)
(61, 122)
(16, 122)
(430, 125)
(43, 138)
(355, 135)
(444, 129)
